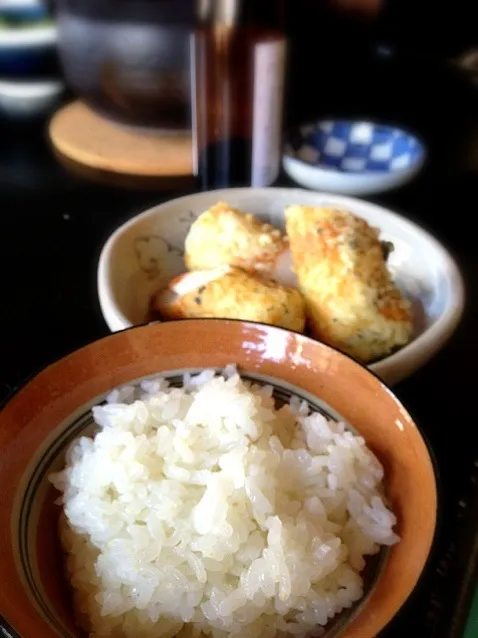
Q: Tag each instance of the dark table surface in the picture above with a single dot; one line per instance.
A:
(53, 224)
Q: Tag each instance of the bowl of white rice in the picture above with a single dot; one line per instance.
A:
(210, 478)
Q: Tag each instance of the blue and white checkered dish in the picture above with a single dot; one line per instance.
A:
(352, 157)
(355, 146)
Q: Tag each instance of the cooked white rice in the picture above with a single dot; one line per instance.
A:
(207, 511)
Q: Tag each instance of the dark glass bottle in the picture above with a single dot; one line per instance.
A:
(238, 70)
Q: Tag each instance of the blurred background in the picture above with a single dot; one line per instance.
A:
(129, 58)
(129, 61)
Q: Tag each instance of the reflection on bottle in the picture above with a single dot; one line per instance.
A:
(238, 63)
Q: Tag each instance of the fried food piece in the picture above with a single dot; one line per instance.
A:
(231, 293)
(224, 236)
(352, 302)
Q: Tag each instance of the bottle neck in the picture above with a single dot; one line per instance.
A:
(268, 14)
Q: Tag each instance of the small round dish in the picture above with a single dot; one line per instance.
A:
(41, 419)
(143, 254)
(352, 157)
(26, 23)
(29, 98)
(27, 35)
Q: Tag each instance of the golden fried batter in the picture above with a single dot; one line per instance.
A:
(222, 235)
(352, 303)
(231, 293)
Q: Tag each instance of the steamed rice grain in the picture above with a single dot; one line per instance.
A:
(207, 510)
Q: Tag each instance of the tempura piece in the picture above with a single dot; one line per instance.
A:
(352, 302)
(224, 236)
(230, 293)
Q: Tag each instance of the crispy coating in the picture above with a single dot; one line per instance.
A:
(222, 235)
(352, 303)
(232, 294)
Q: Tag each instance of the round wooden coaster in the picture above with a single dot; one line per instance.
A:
(83, 136)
